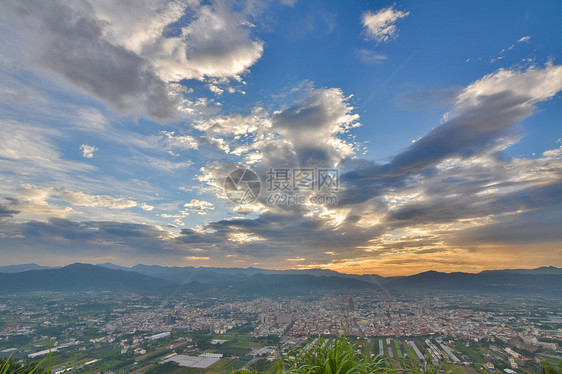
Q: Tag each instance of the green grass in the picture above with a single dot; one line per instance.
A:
(328, 356)
(411, 353)
(8, 366)
(551, 361)
(453, 369)
(475, 356)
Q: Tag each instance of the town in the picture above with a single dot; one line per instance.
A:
(123, 333)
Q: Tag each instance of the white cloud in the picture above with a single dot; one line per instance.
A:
(529, 87)
(311, 130)
(216, 43)
(146, 207)
(380, 26)
(197, 258)
(215, 89)
(30, 150)
(91, 119)
(186, 142)
(165, 165)
(234, 124)
(35, 202)
(371, 57)
(199, 206)
(180, 141)
(88, 150)
(502, 53)
(78, 198)
(129, 54)
(289, 3)
(243, 237)
(220, 44)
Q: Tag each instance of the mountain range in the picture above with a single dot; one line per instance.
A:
(258, 282)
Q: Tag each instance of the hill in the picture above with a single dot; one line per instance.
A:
(79, 277)
(187, 274)
(22, 267)
(488, 281)
(261, 282)
(278, 285)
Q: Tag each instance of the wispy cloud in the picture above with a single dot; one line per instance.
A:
(380, 26)
(371, 57)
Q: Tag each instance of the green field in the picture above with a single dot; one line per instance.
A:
(410, 351)
(474, 355)
(397, 350)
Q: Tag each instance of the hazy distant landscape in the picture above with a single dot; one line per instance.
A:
(261, 282)
(116, 319)
(223, 325)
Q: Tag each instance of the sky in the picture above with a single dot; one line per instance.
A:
(363, 137)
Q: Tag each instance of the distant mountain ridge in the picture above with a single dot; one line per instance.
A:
(182, 275)
(540, 270)
(79, 277)
(535, 281)
(22, 267)
(256, 282)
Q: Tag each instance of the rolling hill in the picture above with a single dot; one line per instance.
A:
(261, 282)
(79, 277)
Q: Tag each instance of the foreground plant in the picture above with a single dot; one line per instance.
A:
(8, 366)
(330, 356)
(339, 356)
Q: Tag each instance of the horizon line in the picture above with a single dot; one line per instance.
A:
(289, 269)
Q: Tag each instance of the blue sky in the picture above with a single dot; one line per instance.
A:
(121, 120)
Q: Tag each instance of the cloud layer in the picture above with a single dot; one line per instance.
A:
(144, 181)
(128, 54)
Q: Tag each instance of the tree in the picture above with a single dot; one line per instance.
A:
(260, 365)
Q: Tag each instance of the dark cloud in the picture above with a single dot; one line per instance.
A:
(309, 117)
(279, 235)
(485, 120)
(412, 190)
(466, 134)
(539, 222)
(68, 41)
(7, 212)
(310, 128)
(111, 232)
